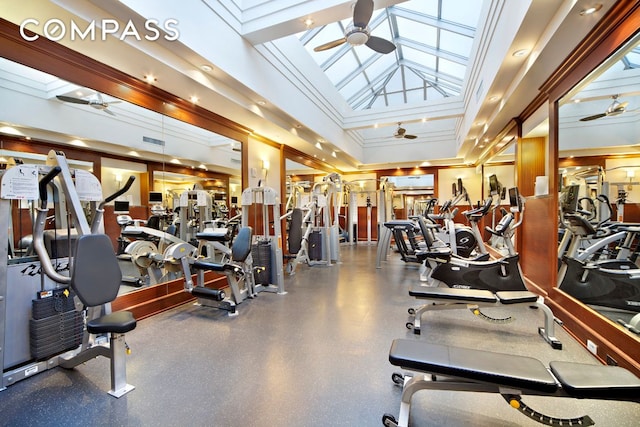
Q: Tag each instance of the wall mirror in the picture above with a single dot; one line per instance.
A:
(598, 144)
(165, 155)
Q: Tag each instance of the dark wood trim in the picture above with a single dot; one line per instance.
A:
(158, 298)
(616, 27)
(308, 160)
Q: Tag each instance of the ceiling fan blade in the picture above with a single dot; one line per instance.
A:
(362, 13)
(330, 45)
(595, 116)
(410, 136)
(72, 99)
(380, 45)
(106, 110)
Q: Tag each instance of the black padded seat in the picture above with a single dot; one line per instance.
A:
(477, 295)
(119, 322)
(516, 297)
(506, 370)
(596, 381)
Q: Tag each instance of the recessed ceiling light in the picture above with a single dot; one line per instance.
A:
(333, 154)
(520, 52)
(261, 102)
(308, 22)
(318, 146)
(150, 78)
(207, 68)
(576, 101)
(194, 99)
(589, 10)
(298, 126)
(494, 98)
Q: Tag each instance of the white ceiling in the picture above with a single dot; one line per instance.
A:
(256, 57)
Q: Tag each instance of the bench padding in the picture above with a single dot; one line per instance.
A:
(507, 370)
(476, 295)
(596, 381)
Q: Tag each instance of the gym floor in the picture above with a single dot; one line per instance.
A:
(317, 356)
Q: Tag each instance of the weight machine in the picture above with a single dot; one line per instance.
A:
(41, 324)
(267, 246)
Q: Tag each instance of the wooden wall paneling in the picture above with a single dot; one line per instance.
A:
(538, 253)
(532, 157)
(618, 26)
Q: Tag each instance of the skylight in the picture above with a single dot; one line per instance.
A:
(433, 41)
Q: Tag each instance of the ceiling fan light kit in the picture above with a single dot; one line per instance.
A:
(357, 33)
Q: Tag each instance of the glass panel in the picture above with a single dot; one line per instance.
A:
(455, 43)
(419, 57)
(416, 31)
(465, 12)
(452, 69)
(428, 7)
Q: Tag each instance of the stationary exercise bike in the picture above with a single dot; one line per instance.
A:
(462, 239)
(454, 283)
(494, 275)
(609, 284)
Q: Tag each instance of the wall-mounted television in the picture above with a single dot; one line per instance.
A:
(218, 196)
(121, 207)
(234, 200)
(155, 197)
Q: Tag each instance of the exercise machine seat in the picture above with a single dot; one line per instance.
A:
(119, 322)
(478, 365)
(607, 382)
(516, 297)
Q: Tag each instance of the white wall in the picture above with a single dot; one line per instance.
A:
(258, 154)
(470, 179)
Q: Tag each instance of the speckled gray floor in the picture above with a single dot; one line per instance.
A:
(314, 357)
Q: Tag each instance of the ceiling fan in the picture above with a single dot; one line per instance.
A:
(402, 133)
(614, 109)
(358, 31)
(98, 103)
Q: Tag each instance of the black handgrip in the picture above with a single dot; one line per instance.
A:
(121, 191)
(46, 180)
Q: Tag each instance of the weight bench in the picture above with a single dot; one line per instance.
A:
(473, 299)
(463, 369)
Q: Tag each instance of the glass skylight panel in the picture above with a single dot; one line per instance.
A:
(425, 50)
(419, 57)
(414, 30)
(455, 43)
(452, 69)
(341, 69)
(428, 7)
(465, 12)
(411, 78)
(351, 88)
(415, 95)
